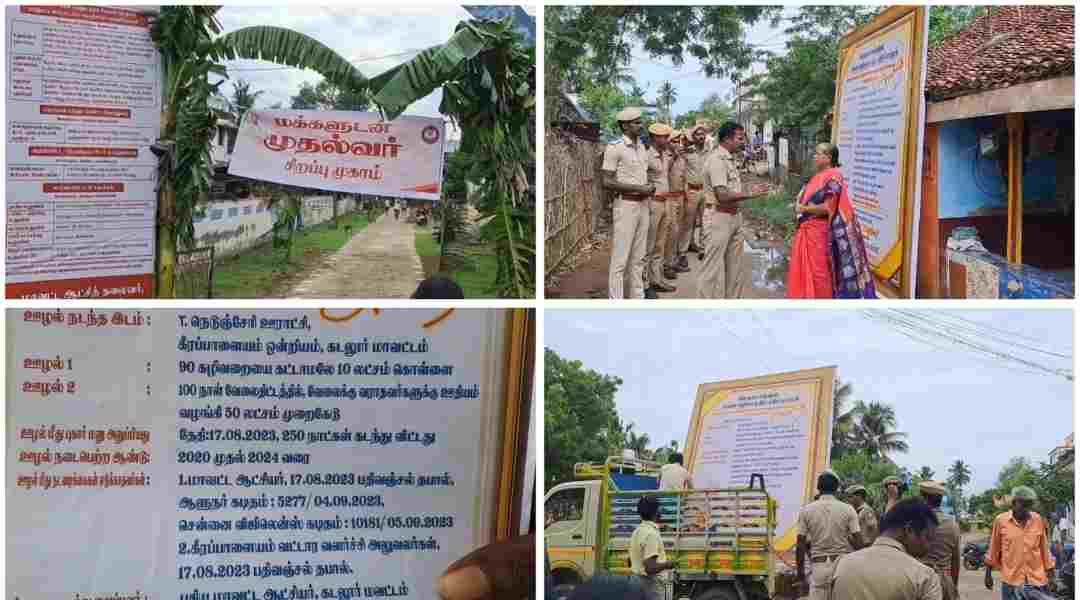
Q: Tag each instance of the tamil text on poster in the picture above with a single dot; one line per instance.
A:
(354, 152)
(83, 97)
(269, 455)
(877, 129)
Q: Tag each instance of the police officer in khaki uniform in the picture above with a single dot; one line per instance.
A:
(660, 159)
(888, 570)
(723, 274)
(695, 194)
(648, 561)
(676, 204)
(944, 554)
(625, 169)
(827, 530)
(868, 519)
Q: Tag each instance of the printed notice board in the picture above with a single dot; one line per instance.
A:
(776, 425)
(878, 127)
(252, 455)
(83, 99)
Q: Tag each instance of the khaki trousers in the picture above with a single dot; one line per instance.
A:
(628, 244)
(722, 275)
(690, 216)
(676, 207)
(657, 239)
(821, 580)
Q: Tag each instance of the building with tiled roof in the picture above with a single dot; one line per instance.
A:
(1008, 46)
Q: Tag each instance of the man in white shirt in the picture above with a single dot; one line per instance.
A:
(675, 477)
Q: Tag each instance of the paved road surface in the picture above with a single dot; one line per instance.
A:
(380, 261)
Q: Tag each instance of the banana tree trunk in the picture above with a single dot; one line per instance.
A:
(166, 240)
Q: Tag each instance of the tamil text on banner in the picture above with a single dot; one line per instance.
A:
(253, 455)
(83, 92)
(878, 126)
(777, 425)
(353, 152)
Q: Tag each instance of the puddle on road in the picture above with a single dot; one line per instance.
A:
(768, 265)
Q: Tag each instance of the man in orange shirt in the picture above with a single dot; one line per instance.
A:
(1019, 549)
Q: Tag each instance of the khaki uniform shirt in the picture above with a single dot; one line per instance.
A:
(644, 543)
(868, 521)
(629, 161)
(659, 169)
(943, 544)
(720, 171)
(673, 476)
(677, 173)
(884, 571)
(695, 166)
(828, 524)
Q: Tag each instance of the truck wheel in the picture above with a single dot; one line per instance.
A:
(726, 592)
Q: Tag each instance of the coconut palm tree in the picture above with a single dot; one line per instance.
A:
(843, 425)
(875, 434)
(243, 99)
(667, 96)
(925, 474)
(959, 475)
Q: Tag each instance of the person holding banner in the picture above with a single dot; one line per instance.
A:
(828, 256)
(503, 570)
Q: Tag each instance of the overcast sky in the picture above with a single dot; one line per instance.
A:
(953, 404)
(375, 38)
(691, 84)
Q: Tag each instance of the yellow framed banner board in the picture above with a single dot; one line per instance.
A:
(879, 115)
(776, 425)
(205, 454)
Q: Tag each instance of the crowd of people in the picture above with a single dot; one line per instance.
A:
(844, 551)
(687, 182)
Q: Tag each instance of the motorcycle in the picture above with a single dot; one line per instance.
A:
(974, 556)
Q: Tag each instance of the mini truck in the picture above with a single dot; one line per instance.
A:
(721, 538)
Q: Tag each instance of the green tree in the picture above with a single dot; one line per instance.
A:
(843, 425)
(579, 416)
(327, 96)
(663, 453)
(858, 468)
(242, 99)
(947, 20)
(639, 443)
(712, 108)
(875, 432)
(666, 96)
(925, 474)
(606, 35)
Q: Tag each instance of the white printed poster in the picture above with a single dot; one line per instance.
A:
(83, 97)
(343, 151)
(878, 129)
(248, 455)
(769, 426)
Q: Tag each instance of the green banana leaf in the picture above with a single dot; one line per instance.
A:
(292, 48)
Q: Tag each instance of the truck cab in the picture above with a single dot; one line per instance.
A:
(720, 538)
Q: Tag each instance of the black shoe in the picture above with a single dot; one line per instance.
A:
(670, 273)
(650, 294)
(665, 288)
(701, 256)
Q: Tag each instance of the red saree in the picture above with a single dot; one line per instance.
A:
(828, 257)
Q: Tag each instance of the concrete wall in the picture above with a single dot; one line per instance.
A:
(970, 183)
(233, 226)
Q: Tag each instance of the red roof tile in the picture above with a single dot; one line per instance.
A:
(1012, 45)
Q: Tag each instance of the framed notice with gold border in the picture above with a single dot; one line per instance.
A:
(777, 425)
(186, 438)
(878, 127)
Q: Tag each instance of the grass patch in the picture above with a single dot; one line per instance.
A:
(777, 210)
(476, 279)
(261, 272)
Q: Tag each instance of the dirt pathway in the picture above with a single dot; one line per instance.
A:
(380, 261)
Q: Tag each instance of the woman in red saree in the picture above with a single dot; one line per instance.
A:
(828, 257)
